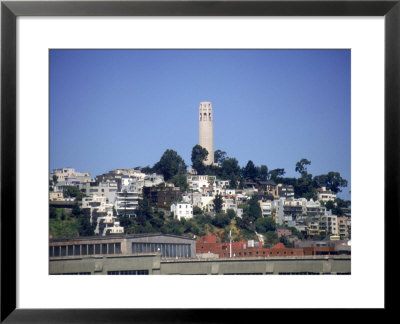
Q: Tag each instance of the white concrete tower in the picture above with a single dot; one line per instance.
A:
(206, 130)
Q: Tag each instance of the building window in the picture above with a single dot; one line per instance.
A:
(70, 250)
(84, 249)
(77, 250)
(118, 248)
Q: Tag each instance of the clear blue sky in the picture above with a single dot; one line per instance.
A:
(123, 108)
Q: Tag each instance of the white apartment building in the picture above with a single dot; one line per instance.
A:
(98, 207)
(266, 208)
(196, 182)
(107, 225)
(70, 173)
(224, 184)
(182, 210)
(131, 173)
(137, 184)
(231, 192)
(326, 195)
(228, 204)
(106, 189)
(127, 202)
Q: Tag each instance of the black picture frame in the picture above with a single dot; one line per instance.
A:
(10, 10)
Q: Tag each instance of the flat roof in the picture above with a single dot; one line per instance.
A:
(119, 236)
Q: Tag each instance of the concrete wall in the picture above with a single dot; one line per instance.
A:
(155, 265)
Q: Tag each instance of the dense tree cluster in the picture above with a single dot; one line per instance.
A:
(69, 223)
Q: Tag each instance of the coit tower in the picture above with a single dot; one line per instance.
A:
(206, 130)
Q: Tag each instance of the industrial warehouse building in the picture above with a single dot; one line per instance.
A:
(169, 246)
(145, 254)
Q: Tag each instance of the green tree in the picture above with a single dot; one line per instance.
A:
(271, 239)
(73, 192)
(254, 208)
(85, 228)
(301, 166)
(221, 220)
(296, 232)
(265, 224)
(332, 181)
(231, 213)
(250, 171)
(276, 174)
(338, 206)
(304, 187)
(218, 201)
(180, 180)
(125, 221)
(219, 157)
(143, 212)
(262, 172)
(173, 226)
(230, 170)
(170, 164)
(76, 211)
(197, 210)
(147, 170)
(199, 155)
(52, 212)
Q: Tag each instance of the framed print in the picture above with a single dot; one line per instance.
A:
(51, 53)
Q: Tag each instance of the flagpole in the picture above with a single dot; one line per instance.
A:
(230, 244)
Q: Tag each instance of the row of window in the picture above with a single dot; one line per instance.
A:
(85, 249)
(167, 250)
(76, 273)
(313, 273)
(129, 272)
(263, 253)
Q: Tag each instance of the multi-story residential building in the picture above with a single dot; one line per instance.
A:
(269, 187)
(224, 184)
(196, 182)
(108, 225)
(228, 203)
(56, 196)
(313, 228)
(294, 209)
(344, 227)
(329, 225)
(106, 189)
(197, 199)
(182, 210)
(250, 187)
(326, 194)
(284, 191)
(127, 201)
(266, 208)
(314, 209)
(97, 206)
(278, 215)
(70, 173)
(162, 195)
